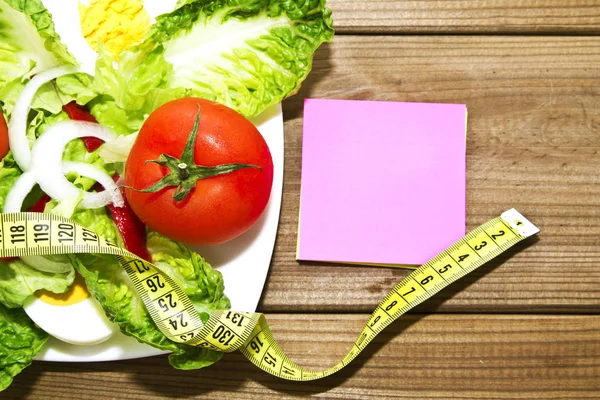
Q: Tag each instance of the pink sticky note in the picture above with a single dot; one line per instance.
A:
(382, 182)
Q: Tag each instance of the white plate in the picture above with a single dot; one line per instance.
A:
(244, 261)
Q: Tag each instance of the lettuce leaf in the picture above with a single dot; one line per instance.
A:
(20, 341)
(111, 96)
(76, 87)
(108, 113)
(108, 283)
(47, 98)
(9, 93)
(28, 40)
(9, 173)
(246, 54)
(203, 285)
(18, 281)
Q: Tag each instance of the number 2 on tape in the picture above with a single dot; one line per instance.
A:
(174, 314)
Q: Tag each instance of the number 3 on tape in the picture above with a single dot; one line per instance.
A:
(173, 312)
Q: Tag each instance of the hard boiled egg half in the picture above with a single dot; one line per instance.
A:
(75, 317)
(83, 24)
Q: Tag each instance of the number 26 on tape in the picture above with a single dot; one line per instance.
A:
(154, 283)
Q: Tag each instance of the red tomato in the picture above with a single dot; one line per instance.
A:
(3, 136)
(217, 208)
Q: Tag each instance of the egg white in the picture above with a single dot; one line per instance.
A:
(82, 323)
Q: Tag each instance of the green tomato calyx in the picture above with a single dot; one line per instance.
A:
(184, 172)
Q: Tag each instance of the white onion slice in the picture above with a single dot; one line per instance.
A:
(17, 126)
(18, 192)
(47, 164)
(111, 192)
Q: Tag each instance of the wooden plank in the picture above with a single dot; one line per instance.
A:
(467, 16)
(435, 356)
(533, 144)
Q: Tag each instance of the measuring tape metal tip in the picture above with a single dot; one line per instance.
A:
(518, 222)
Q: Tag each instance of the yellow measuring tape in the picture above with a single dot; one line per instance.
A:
(173, 312)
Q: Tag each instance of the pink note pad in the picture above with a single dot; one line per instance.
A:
(382, 182)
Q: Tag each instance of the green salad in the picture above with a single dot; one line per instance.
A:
(264, 52)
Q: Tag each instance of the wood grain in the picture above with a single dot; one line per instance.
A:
(467, 16)
(533, 144)
(435, 356)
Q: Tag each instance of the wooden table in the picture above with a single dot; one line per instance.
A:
(526, 325)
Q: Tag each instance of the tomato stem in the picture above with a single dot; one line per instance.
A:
(184, 172)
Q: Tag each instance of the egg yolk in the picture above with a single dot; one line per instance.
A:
(76, 293)
(114, 23)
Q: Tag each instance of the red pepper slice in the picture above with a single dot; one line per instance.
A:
(80, 113)
(131, 228)
(40, 205)
(3, 136)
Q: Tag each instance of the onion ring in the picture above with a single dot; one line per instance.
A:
(17, 126)
(17, 193)
(48, 168)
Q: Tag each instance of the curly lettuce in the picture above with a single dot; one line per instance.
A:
(19, 281)
(28, 40)
(109, 284)
(9, 173)
(203, 285)
(20, 341)
(246, 54)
